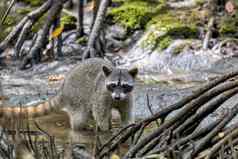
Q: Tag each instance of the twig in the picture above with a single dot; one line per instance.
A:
(32, 16)
(225, 140)
(208, 137)
(150, 108)
(212, 106)
(8, 11)
(170, 108)
(195, 134)
(40, 43)
(185, 111)
(209, 33)
(115, 136)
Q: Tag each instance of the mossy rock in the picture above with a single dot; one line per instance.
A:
(33, 3)
(24, 11)
(200, 2)
(82, 40)
(68, 21)
(6, 31)
(132, 14)
(164, 42)
(166, 28)
(10, 20)
(168, 22)
(228, 26)
(38, 24)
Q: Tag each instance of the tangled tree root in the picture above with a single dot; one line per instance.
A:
(183, 136)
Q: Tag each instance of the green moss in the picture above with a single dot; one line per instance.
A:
(24, 11)
(151, 40)
(168, 22)
(5, 32)
(228, 25)
(10, 20)
(68, 21)
(38, 24)
(168, 27)
(132, 14)
(164, 42)
(200, 2)
(82, 40)
(33, 3)
(116, 1)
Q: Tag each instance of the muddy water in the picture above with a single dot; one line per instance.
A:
(57, 124)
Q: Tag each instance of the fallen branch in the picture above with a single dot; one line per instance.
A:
(8, 11)
(167, 110)
(32, 16)
(209, 33)
(195, 134)
(91, 50)
(225, 140)
(189, 108)
(212, 106)
(233, 112)
(222, 43)
(41, 41)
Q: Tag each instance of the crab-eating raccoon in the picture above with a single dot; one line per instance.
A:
(89, 91)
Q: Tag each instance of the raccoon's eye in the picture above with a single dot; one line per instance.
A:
(127, 88)
(111, 86)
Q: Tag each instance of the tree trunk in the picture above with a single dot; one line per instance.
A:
(91, 50)
(35, 54)
(69, 4)
(80, 18)
(96, 4)
(33, 16)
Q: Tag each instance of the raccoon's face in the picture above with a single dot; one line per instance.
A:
(119, 82)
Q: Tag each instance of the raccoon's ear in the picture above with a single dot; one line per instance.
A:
(107, 71)
(133, 72)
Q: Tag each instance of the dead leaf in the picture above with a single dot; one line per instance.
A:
(114, 156)
(3, 98)
(55, 78)
(57, 31)
(221, 134)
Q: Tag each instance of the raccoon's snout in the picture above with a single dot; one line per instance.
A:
(118, 96)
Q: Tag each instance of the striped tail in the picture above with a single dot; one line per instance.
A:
(44, 108)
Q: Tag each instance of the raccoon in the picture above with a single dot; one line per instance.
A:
(89, 92)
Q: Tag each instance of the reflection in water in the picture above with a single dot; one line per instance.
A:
(56, 125)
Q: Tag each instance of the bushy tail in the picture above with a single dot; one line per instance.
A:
(44, 108)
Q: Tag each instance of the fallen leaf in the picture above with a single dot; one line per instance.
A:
(55, 77)
(114, 156)
(3, 98)
(57, 31)
(221, 134)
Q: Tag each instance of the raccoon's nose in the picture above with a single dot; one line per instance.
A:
(117, 97)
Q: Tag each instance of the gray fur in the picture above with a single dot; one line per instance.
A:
(85, 96)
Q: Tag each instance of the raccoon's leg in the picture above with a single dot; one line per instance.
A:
(79, 120)
(102, 115)
(125, 113)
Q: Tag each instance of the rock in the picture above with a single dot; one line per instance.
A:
(187, 59)
(7, 149)
(116, 32)
(79, 152)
